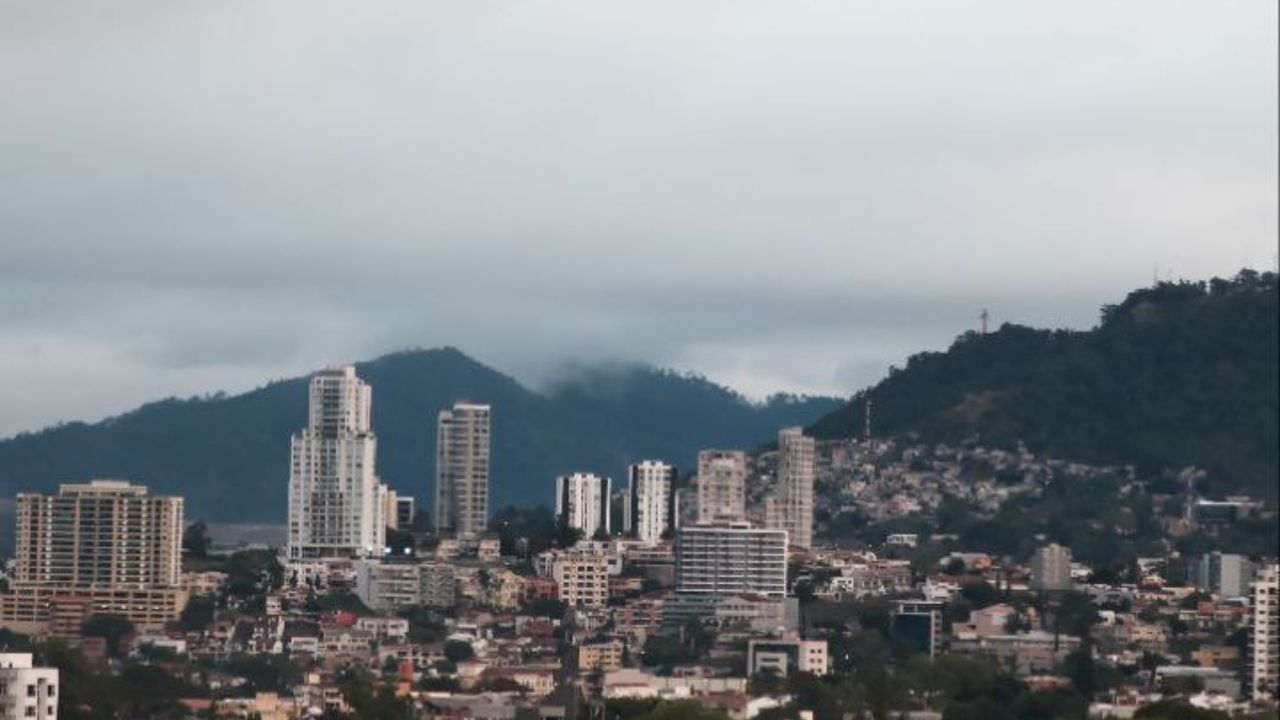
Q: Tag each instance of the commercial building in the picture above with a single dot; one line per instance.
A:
(1264, 636)
(1051, 568)
(1222, 574)
(1029, 653)
(794, 494)
(582, 501)
(462, 470)
(27, 691)
(650, 507)
(785, 656)
(106, 546)
(917, 625)
(721, 486)
(406, 510)
(388, 585)
(731, 558)
(337, 507)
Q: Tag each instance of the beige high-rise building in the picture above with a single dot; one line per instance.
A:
(721, 485)
(790, 507)
(337, 507)
(462, 470)
(106, 546)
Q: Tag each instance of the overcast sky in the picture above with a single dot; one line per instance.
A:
(780, 195)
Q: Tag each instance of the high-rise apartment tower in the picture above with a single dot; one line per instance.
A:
(793, 499)
(104, 546)
(462, 470)
(650, 509)
(582, 501)
(721, 485)
(337, 507)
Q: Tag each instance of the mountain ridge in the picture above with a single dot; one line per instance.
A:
(221, 448)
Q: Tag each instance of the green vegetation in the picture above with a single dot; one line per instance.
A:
(112, 628)
(1181, 374)
(137, 691)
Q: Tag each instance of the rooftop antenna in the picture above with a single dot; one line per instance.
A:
(984, 318)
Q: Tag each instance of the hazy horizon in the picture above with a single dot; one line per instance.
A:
(779, 197)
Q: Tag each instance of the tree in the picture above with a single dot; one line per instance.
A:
(198, 614)
(458, 650)
(253, 572)
(112, 628)
(196, 541)
(546, 607)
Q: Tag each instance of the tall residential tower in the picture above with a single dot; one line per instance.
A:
(649, 511)
(794, 492)
(462, 470)
(722, 479)
(336, 504)
(582, 499)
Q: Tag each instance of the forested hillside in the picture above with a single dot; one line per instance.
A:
(1177, 374)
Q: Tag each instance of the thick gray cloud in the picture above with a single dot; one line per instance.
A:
(781, 195)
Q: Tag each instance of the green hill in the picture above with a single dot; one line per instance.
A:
(1178, 374)
(229, 455)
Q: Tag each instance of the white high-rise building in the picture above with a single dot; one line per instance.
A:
(650, 505)
(1264, 635)
(462, 470)
(722, 559)
(582, 499)
(721, 483)
(337, 507)
(791, 507)
(27, 691)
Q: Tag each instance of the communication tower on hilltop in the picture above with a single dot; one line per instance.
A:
(984, 318)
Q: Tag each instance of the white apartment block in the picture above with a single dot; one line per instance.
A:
(649, 509)
(462, 470)
(722, 559)
(1264, 635)
(1051, 568)
(337, 507)
(582, 501)
(721, 485)
(27, 691)
(792, 502)
(785, 656)
(102, 546)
